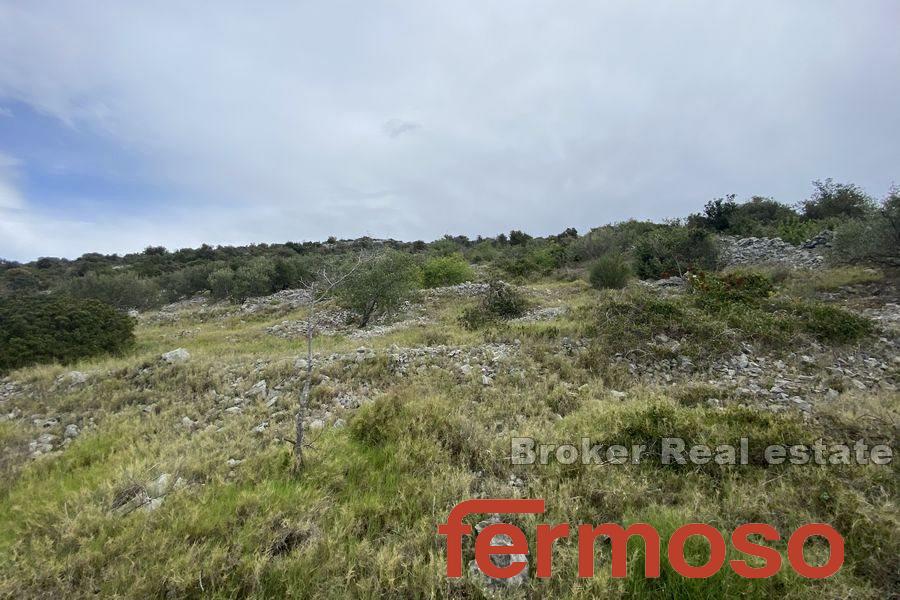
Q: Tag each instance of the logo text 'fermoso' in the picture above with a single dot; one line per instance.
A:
(546, 535)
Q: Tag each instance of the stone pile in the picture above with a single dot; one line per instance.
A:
(767, 251)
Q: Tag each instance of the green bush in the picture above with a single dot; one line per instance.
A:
(255, 278)
(55, 328)
(738, 286)
(610, 272)
(446, 270)
(836, 200)
(674, 250)
(221, 282)
(535, 259)
(380, 285)
(618, 238)
(797, 230)
(501, 301)
(874, 238)
(830, 323)
(122, 290)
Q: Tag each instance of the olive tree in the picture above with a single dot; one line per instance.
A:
(380, 285)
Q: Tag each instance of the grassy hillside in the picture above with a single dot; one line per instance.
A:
(176, 479)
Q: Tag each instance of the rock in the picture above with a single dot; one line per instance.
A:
(617, 394)
(187, 422)
(465, 370)
(257, 390)
(301, 363)
(261, 428)
(339, 424)
(152, 505)
(742, 361)
(233, 462)
(179, 355)
(133, 313)
(500, 560)
(73, 378)
(160, 486)
(831, 394)
(822, 240)
(753, 251)
(234, 410)
(485, 380)
(675, 281)
(42, 445)
(71, 430)
(317, 424)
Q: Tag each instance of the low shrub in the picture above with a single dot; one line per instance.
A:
(610, 272)
(55, 328)
(446, 270)
(737, 286)
(830, 323)
(501, 301)
(674, 250)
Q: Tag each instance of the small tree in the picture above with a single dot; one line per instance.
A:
(837, 200)
(317, 291)
(380, 285)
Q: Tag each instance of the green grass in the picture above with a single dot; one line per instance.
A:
(361, 519)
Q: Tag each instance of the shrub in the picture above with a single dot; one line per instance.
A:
(21, 279)
(122, 290)
(836, 200)
(187, 281)
(535, 259)
(738, 286)
(501, 301)
(54, 328)
(757, 217)
(255, 278)
(610, 272)
(797, 230)
(674, 250)
(221, 282)
(290, 272)
(618, 238)
(446, 270)
(830, 323)
(380, 285)
(874, 238)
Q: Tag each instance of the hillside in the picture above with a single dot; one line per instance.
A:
(165, 472)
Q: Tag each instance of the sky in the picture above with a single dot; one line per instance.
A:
(128, 124)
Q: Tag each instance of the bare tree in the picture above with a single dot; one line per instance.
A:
(318, 291)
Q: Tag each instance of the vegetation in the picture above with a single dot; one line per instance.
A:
(669, 251)
(41, 329)
(610, 272)
(500, 302)
(380, 285)
(873, 238)
(446, 270)
(421, 418)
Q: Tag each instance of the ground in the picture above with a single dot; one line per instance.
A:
(152, 476)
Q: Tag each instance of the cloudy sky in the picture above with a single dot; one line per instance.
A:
(124, 124)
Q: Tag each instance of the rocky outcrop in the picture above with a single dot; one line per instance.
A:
(767, 251)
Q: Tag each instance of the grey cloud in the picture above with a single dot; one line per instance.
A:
(397, 127)
(302, 121)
